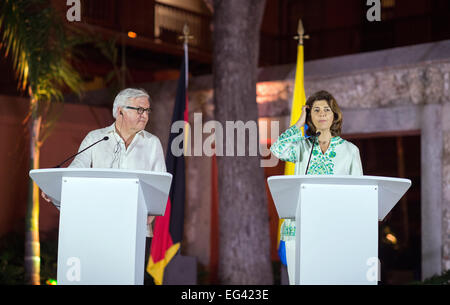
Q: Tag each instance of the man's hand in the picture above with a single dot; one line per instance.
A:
(46, 198)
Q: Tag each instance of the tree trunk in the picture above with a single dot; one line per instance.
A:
(32, 245)
(244, 255)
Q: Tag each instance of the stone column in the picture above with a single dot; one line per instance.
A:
(446, 188)
(431, 198)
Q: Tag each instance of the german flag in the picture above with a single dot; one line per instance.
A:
(168, 230)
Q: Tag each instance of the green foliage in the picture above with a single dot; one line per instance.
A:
(49, 259)
(40, 46)
(443, 279)
(118, 76)
(11, 259)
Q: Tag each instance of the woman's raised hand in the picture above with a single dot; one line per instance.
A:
(301, 121)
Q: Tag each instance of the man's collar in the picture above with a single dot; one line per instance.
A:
(112, 129)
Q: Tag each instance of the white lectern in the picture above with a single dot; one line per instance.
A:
(103, 221)
(336, 224)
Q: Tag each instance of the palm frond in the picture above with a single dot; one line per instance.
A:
(40, 47)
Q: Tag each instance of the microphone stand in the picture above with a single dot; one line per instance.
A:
(59, 165)
(312, 148)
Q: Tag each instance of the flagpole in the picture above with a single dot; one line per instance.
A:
(300, 33)
(299, 78)
(168, 232)
(298, 101)
(186, 37)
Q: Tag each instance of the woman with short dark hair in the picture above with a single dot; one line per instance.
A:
(321, 152)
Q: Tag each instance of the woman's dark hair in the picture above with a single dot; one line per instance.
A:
(331, 101)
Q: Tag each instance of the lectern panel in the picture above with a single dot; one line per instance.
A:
(337, 234)
(97, 243)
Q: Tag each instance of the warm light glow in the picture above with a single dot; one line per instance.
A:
(267, 92)
(132, 34)
(391, 238)
(387, 3)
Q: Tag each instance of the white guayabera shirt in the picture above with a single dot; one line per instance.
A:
(144, 153)
(341, 158)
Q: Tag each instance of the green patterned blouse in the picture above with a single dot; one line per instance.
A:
(341, 158)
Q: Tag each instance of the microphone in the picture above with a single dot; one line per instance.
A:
(312, 148)
(59, 165)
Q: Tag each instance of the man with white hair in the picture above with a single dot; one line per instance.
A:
(128, 146)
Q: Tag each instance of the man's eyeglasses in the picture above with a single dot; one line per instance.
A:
(140, 110)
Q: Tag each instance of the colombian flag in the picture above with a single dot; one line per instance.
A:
(299, 100)
(168, 230)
